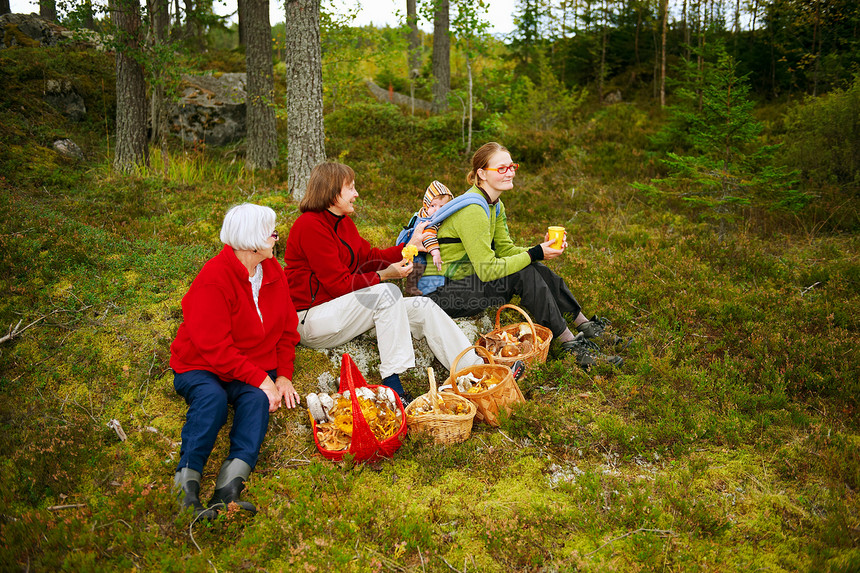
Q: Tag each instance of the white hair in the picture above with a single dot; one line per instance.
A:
(247, 227)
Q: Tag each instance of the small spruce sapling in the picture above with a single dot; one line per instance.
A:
(725, 166)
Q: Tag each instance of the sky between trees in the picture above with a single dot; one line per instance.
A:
(377, 12)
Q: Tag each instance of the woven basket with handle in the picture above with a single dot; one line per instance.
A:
(488, 402)
(445, 428)
(539, 352)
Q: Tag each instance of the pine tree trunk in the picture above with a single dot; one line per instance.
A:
(260, 105)
(441, 57)
(242, 16)
(48, 10)
(131, 149)
(4, 7)
(88, 21)
(305, 129)
(665, 15)
(160, 18)
(602, 76)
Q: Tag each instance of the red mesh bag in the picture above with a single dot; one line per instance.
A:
(364, 445)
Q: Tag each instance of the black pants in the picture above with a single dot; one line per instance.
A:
(542, 292)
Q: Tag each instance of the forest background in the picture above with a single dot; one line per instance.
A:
(703, 157)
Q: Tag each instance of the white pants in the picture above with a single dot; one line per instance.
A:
(396, 319)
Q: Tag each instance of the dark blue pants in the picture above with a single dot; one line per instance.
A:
(208, 398)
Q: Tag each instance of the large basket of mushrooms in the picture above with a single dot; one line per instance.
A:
(524, 341)
(364, 420)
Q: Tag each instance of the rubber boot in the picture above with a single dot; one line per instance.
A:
(229, 485)
(187, 481)
(411, 286)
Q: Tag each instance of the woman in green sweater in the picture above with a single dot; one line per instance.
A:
(483, 268)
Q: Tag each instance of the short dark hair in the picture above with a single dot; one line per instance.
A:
(324, 185)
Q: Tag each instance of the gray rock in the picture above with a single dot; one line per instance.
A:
(68, 148)
(211, 109)
(402, 100)
(61, 95)
(24, 29)
(613, 97)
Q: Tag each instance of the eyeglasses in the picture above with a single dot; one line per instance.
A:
(504, 168)
(275, 235)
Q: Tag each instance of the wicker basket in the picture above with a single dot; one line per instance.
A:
(538, 354)
(488, 402)
(445, 428)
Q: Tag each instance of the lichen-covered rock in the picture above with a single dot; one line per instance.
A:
(29, 30)
(62, 95)
(68, 148)
(211, 109)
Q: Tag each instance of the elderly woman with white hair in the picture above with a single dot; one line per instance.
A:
(235, 347)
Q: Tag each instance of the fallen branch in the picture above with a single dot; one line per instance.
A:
(17, 330)
(661, 532)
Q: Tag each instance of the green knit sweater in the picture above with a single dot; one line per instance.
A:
(485, 246)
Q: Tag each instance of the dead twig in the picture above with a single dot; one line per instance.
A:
(660, 532)
(451, 567)
(68, 506)
(809, 288)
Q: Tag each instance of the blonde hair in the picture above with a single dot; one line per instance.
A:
(481, 159)
(324, 185)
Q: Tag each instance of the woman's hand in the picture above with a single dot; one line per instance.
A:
(272, 394)
(549, 252)
(286, 390)
(419, 235)
(396, 270)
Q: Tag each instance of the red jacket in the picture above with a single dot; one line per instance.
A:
(221, 331)
(326, 258)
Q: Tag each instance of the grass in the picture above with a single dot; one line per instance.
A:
(728, 440)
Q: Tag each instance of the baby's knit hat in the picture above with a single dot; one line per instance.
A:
(434, 190)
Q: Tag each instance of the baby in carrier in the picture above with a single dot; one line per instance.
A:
(435, 197)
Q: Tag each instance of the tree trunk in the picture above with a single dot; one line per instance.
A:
(159, 15)
(441, 57)
(305, 129)
(686, 23)
(131, 149)
(87, 19)
(665, 15)
(48, 10)
(242, 15)
(4, 7)
(469, 71)
(604, 34)
(414, 39)
(262, 130)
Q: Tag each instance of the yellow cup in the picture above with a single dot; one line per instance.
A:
(557, 235)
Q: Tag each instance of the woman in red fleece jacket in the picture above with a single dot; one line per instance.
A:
(236, 347)
(336, 282)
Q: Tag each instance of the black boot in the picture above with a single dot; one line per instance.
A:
(229, 485)
(188, 483)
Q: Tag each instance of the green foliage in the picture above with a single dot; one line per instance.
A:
(822, 136)
(727, 167)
